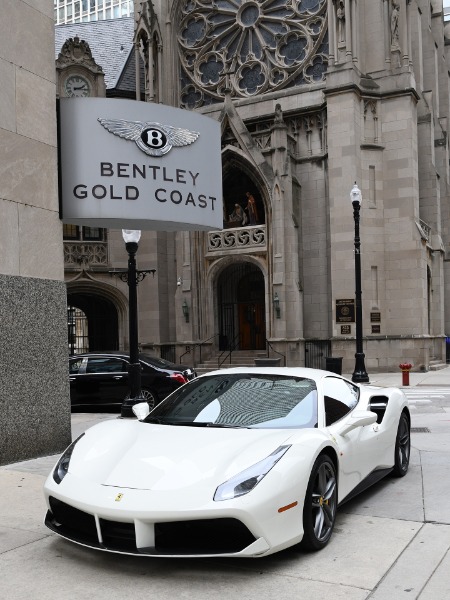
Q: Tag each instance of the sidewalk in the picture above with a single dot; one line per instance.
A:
(390, 543)
(430, 378)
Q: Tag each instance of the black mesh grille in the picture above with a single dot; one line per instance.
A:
(71, 522)
(118, 536)
(212, 536)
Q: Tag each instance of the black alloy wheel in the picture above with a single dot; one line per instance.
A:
(146, 395)
(402, 447)
(319, 510)
(149, 397)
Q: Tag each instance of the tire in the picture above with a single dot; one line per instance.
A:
(402, 447)
(319, 510)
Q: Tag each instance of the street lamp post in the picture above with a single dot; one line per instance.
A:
(359, 374)
(132, 277)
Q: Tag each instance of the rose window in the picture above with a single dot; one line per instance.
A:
(250, 47)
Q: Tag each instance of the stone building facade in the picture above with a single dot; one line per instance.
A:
(34, 392)
(312, 97)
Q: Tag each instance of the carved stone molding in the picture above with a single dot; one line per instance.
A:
(230, 240)
(248, 48)
(76, 51)
(82, 254)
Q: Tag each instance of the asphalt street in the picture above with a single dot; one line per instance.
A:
(390, 543)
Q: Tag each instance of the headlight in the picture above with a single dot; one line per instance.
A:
(60, 471)
(245, 481)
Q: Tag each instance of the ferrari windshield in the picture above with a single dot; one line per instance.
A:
(241, 400)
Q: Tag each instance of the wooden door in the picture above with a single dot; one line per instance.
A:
(251, 326)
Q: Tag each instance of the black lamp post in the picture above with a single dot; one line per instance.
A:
(132, 277)
(359, 374)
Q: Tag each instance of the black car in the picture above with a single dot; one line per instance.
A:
(100, 379)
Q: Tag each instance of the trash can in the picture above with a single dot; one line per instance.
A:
(334, 364)
(267, 362)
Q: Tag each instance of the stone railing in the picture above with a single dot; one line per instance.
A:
(85, 254)
(240, 238)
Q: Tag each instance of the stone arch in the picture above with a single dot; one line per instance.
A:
(239, 288)
(238, 175)
(105, 308)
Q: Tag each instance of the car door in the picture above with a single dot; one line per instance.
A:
(106, 379)
(76, 369)
(359, 449)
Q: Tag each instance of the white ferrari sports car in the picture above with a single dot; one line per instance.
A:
(238, 462)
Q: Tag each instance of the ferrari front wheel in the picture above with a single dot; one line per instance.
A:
(402, 447)
(319, 510)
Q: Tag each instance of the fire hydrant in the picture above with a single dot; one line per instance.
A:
(406, 368)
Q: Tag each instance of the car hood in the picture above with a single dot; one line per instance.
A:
(168, 458)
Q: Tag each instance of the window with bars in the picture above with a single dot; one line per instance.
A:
(77, 331)
(88, 234)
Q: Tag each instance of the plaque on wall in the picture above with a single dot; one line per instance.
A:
(345, 311)
(376, 329)
(375, 317)
(346, 329)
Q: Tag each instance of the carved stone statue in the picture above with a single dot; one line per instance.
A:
(340, 13)
(251, 209)
(238, 216)
(395, 43)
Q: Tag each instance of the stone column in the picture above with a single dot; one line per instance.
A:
(159, 63)
(151, 73)
(387, 38)
(331, 33)
(138, 71)
(348, 30)
(355, 31)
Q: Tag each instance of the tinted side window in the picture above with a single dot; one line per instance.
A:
(340, 397)
(105, 365)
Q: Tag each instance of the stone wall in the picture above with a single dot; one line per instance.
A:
(34, 394)
(34, 384)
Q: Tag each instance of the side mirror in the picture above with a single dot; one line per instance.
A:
(141, 410)
(359, 418)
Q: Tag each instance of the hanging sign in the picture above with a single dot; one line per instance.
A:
(126, 164)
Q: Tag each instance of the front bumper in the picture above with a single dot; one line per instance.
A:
(135, 522)
(203, 537)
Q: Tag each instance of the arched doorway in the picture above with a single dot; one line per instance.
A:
(239, 189)
(241, 304)
(101, 324)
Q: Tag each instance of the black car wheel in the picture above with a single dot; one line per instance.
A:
(146, 396)
(402, 447)
(149, 397)
(319, 510)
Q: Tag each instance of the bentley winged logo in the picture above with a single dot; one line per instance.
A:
(152, 138)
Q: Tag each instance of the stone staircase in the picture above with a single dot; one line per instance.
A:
(436, 364)
(239, 358)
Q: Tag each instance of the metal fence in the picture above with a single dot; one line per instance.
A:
(316, 353)
(168, 353)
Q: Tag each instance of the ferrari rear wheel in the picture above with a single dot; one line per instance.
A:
(402, 447)
(319, 510)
